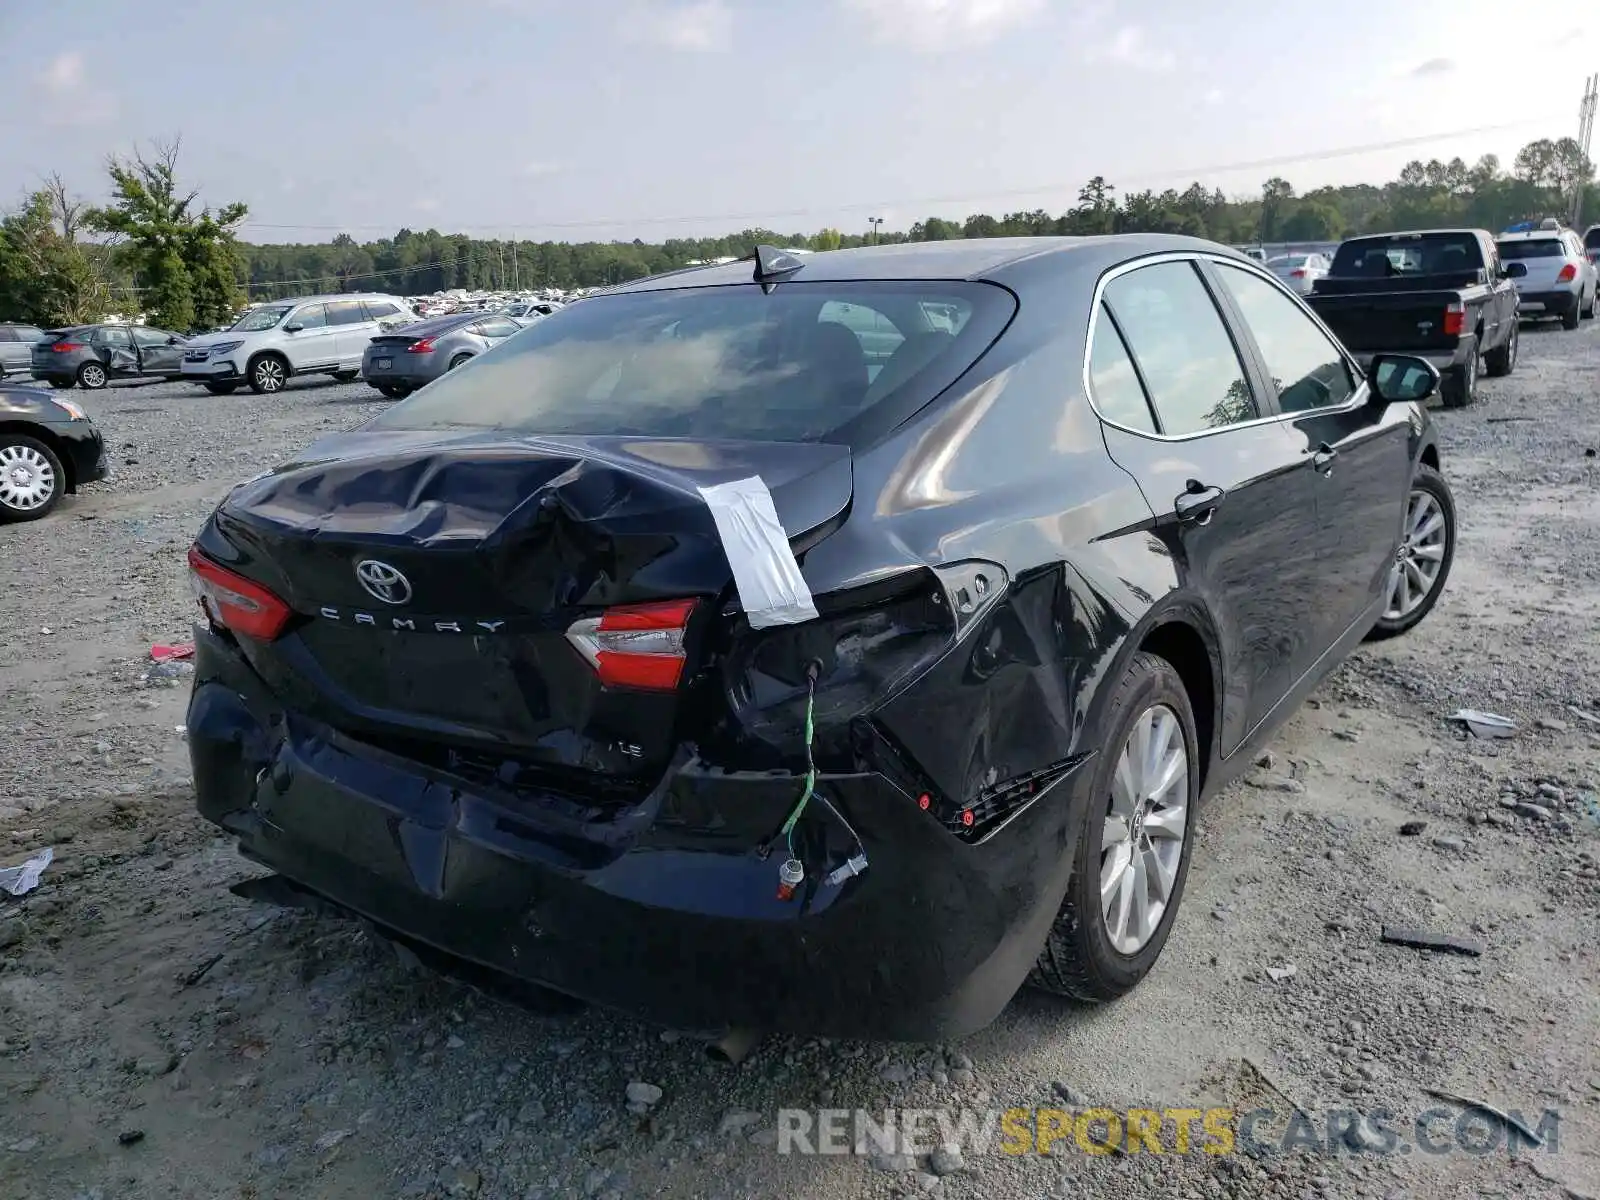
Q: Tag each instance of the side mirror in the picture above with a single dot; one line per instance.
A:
(1402, 378)
(174, 341)
(293, 327)
(1514, 270)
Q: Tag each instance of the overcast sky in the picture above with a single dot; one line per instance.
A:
(655, 118)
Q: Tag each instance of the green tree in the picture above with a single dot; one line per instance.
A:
(48, 276)
(185, 259)
(1312, 221)
(827, 239)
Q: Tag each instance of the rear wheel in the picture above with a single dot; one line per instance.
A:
(1588, 312)
(92, 375)
(457, 361)
(31, 478)
(393, 390)
(1569, 319)
(1132, 853)
(268, 374)
(1422, 560)
(1504, 360)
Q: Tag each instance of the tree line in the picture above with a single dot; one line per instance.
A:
(155, 249)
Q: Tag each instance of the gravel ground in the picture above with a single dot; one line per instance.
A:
(161, 1038)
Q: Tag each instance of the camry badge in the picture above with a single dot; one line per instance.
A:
(383, 582)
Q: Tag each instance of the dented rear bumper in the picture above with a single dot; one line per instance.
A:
(666, 908)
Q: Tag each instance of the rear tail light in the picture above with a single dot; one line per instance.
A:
(421, 346)
(1455, 319)
(636, 645)
(234, 602)
(66, 347)
(1568, 274)
(1298, 273)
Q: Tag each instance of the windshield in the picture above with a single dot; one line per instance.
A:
(259, 319)
(1408, 254)
(719, 362)
(1540, 248)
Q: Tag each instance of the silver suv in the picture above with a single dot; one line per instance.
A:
(1555, 279)
(314, 335)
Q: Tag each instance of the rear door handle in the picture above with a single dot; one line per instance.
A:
(1198, 502)
(1322, 460)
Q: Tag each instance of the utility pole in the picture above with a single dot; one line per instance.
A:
(875, 222)
(1591, 96)
(516, 279)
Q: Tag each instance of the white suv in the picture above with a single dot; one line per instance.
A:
(314, 335)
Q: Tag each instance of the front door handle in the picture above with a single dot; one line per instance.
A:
(1322, 460)
(1198, 502)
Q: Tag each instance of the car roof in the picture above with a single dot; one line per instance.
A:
(443, 323)
(291, 300)
(1531, 235)
(963, 258)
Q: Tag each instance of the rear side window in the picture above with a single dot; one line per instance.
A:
(7, 334)
(377, 311)
(1118, 394)
(113, 337)
(721, 362)
(1305, 365)
(1182, 348)
(29, 333)
(1532, 248)
(345, 312)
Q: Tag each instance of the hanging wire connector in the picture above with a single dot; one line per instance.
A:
(813, 669)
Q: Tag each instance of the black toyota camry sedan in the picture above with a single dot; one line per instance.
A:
(828, 644)
(48, 447)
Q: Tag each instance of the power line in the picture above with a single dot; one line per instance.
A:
(1046, 189)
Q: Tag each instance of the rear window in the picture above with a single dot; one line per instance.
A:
(1532, 248)
(1408, 254)
(720, 362)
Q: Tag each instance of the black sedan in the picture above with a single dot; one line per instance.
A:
(91, 356)
(48, 447)
(691, 656)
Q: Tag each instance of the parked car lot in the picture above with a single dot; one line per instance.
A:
(294, 1054)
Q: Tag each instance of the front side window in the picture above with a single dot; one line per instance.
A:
(150, 338)
(1306, 366)
(1118, 394)
(258, 320)
(1176, 335)
(497, 327)
(718, 362)
(312, 316)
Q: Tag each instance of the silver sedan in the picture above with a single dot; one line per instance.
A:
(402, 360)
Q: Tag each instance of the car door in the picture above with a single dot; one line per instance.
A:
(307, 340)
(1359, 449)
(1184, 414)
(115, 347)
(159, 351)
(351, 331)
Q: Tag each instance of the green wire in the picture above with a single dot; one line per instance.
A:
(811, 771)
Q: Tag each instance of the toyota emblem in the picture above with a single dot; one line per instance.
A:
(383, 582)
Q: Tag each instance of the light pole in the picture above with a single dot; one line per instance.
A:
(875, 222)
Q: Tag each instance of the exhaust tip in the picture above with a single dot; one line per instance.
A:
(733, 1047)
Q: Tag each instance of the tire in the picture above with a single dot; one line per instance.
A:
(31, 478)
(394, 391)
(93, 375)
(1398, 618)
(1460, 384)
(1503, 359)
(345, 376)
(1081, 958)
(268, 374)
(1569, 319)
(457, 361)
(221, 389)
(1588, 313)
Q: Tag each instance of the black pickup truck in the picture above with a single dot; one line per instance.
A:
(1440, 294)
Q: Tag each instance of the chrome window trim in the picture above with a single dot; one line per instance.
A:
(1361, 396)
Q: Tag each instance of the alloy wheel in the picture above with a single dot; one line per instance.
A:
(93, 376)
(1145, 826)
(27, 478)
(1419, 559)
(269, 374)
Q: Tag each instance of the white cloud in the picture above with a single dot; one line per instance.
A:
(426, 204)
(75, 100)
(64, 72)
(539, 170)
(933, 25)
(704, 26)
(1129, 46)
(1214, 96)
